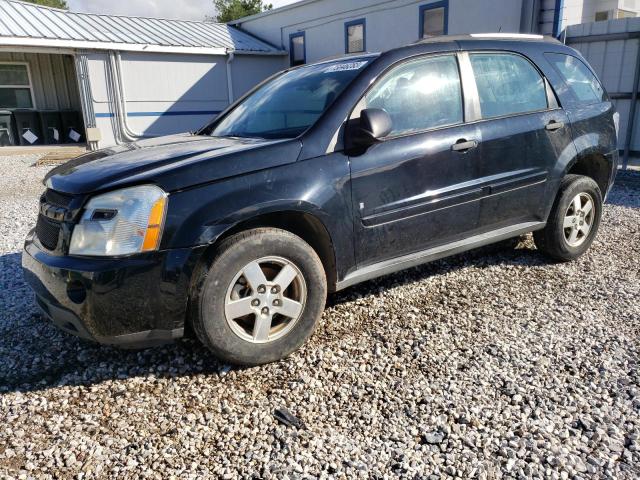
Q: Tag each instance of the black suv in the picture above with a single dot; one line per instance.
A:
(321, 177)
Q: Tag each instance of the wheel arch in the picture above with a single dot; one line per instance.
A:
(301, 223)
(592, 164)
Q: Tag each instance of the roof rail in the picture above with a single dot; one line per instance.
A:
(487, 36)
(530, 36)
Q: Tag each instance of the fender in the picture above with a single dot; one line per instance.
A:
(570, 161)
(588, 146)
(319, 187)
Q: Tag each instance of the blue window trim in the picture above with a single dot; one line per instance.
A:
(359, 21)
(304, 44)
(431, 6)
(557, 18)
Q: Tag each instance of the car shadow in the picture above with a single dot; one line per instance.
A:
(625, 193)
(516, 252)
(35, 355)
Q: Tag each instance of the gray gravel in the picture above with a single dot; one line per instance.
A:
(492, 364)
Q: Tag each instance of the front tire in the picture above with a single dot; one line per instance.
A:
(573, 221)
(261, 298)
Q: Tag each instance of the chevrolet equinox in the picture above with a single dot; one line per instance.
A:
(321, 177)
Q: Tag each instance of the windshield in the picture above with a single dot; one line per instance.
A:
(289, 104)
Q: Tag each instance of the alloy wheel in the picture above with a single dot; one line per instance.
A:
(578, 219)
(265, 299)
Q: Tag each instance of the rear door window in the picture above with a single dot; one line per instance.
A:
(508, 84)
(583, 83)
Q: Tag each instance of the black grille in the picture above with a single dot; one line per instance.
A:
(56, 198)
(47, 232)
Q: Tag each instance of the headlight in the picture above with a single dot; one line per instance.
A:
(121, 223)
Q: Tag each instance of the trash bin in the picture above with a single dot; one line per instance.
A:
(51, 127)
(72, 126)
(7, 129)
(28, 127)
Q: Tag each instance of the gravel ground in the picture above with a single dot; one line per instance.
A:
(485, 365)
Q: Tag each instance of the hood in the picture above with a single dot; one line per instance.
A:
(173, 162)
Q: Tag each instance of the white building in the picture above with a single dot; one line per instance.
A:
(116, 79)
(586, 11)
(314, 29)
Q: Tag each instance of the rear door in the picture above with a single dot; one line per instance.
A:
(522, 133)
(589, 108)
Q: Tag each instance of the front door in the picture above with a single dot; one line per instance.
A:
(417, 188)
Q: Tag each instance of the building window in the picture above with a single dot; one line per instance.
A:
(602, 16)
(434, 19)
(297, 49)
(15, 86)
(355, 36)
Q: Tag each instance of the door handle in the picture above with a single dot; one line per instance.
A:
(553, 125)
(463, 145)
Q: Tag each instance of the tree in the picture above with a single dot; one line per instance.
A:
(50, 3)
(228, 10)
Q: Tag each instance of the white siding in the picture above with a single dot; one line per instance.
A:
(389, 23)
(157, 83)
(248, 71)
(165, 92)
(180, 79)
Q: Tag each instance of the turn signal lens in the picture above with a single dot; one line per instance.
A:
(154, 229)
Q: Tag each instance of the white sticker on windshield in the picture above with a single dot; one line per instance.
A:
(343, 67)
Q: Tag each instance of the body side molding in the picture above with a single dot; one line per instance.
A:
(414, 259)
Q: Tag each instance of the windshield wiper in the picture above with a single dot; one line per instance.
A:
(253, 137)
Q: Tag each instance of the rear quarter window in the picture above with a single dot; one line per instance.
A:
(584, 85)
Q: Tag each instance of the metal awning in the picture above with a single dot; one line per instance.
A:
(28, 25)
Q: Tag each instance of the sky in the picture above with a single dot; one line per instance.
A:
(182, 9)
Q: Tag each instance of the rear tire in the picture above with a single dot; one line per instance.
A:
(573, 221)
(261, 298)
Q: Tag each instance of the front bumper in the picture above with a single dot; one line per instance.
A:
(135, 302)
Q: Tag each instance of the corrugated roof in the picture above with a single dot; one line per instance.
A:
(28, 24)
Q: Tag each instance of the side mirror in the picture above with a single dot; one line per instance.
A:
(373, 125)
